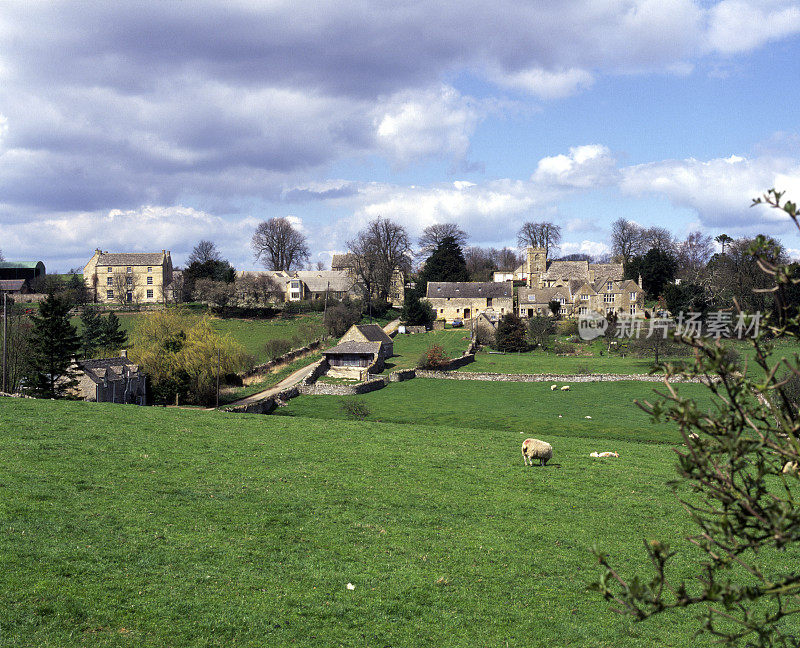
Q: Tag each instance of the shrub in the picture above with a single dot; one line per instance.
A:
(563, 348)
(354, 408)
(277, 347)
(567, 327)
(583, 368)
(511, 334)
(434, 358)
(341, 317)
(540, 329)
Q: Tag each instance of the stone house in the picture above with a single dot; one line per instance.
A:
(111, 380)
(129, 277)
(346, 263)
(464, 300)
(299, 285)
(517, 274)
(354, 360)
(370, 333)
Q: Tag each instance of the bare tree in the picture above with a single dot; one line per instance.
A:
(125, 283)
(204, 251)
(658, 238)
(217, 293)
(258, 289)
(2, 258)
(539, 235)
(279, 245)
(379, 251)
(626, 239)
(320, 265)
(433, 235)
(693, 255)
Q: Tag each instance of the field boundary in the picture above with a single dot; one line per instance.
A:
(500, 377)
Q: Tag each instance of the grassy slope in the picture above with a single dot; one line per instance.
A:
(126, 526)
(409, 348)
(528, 408)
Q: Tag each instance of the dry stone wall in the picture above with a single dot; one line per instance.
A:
(555, 378)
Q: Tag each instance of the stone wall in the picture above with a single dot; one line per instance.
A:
(284, 359)
(465, 359)
(327, 389)
(400, 376)
(554, 378)
(319, 370)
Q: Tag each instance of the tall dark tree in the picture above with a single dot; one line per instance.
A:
(446, 263)
(657, 269)
(204, 251)
(54, 343)
(279, 245)
(511, 333)
(92, 333)
(434, 234)
(416, 311)
(539, 235)
(112, 337)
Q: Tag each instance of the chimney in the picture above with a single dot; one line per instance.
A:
(123, 353)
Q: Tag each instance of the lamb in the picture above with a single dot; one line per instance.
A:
(553, 387)
(565, 388)
(536, 449)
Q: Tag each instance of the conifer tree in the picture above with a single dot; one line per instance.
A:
(54, 343)
(112, 337)
(91, 336)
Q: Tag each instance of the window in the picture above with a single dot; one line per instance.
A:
(149, 268)
(109, 281)
(149, 281)
(129, 269)
(608, 298)
(633, 309)
(584, 297)
(110, 269)
(583, 310)
(633, 296)
(531, 298)
(441, 310)
(109, 294)
(562, 301)
(149, 293)
(488, 301)
(610, 285)
(128, 281)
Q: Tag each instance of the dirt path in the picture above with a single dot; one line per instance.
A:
(290, 381)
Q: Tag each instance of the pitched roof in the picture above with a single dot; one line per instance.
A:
(12, 284)
(100, 369)
(342, 261)
(542, 295)
(607, 270)
(469, 289)
(354, 347)
(373, 333)
(131, 258)
(322, 280)
(567, 270)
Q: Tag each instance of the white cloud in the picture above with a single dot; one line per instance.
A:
(435, 123)
(595, 248)
(591, 165)
(739, 26)
(544, 83)
(3, 128)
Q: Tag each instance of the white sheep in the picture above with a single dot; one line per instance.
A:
(553, 387)
(603, 455)
(536, 449)
(565, 388)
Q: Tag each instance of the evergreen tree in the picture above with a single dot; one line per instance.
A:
(446, 263)
(91, 338)
(112, 337)
(54, 343)
(511, 334)
(417, 312)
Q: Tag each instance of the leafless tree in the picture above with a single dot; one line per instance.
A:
(658, 238)
(279, 245)
(258, 289)
(124, 283)
(320, 265)
(2, 258)
(217, 293)
(626, 239)
(433, 235)
(693, 255)
(204, 251)
(540, 235)
(380, 250)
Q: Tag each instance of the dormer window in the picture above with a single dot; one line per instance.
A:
(610, 286)
(129, 269)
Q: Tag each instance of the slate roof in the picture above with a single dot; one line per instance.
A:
(319, 280)
(373, 333)
(542, 295)
(359, 348)
(12, 285)
(567, 270)
(469, 289)
(342, 261)
(131, 258)
(607, 271)
(107, 368)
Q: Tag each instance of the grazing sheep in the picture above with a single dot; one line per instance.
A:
(588, 417)
(553, 387)
(565, 388)
(789, 467)
(603, 455)
(536, 449)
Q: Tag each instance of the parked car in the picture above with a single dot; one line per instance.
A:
(458, 322)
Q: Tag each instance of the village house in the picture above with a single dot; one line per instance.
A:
(300, 285)
(129, 277)
(347, 263)
(453, 300)
(517, 274)
(111, 380)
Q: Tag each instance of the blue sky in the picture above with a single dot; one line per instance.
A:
(154, 125)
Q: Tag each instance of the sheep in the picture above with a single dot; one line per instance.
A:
(553, 387)
(565, 388)
(603, 455)
(789, 467)
(536, 449)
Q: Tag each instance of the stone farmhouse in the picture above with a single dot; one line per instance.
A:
(129, 277)
(362, 350)
(464, 300)
(299, 285)
(346, 263)
(111, 380)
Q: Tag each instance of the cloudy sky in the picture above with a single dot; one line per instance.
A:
(135, 126)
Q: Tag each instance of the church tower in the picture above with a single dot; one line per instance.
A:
(536, 266)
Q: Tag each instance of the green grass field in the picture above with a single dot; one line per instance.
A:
(126, 526)
(408, 349)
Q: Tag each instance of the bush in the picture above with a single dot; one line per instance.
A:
(583, 368)
(563, 348)
(341, 317)
(511, 334)
(434, 358)
(354, 408)
(540, 329)
(567, 327)
(277, 347)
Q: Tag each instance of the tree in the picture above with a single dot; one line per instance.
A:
(687, 298)
(658, 238)
(340, 317)
(723, 240)
(693, 255)
(555, 307)
(54, 343)
(124, 284)
(112, 337)
(216, 270)
(657, 268)
(417, 312)
(738, 483)
(379, 251)
(539, 235)
(540, 330)
(218, 293)
(92, 331)
(258, 289)
(434, 234)
(445, 263)
(18, 346)
(279, 246)
(511, 334)
(626, 239)
(203, 252)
